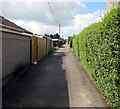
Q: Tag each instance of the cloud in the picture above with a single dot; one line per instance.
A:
(40, 11)
(82, 21)
(37, 27)
(37, 17)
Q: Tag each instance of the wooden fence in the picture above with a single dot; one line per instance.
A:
(40, 47)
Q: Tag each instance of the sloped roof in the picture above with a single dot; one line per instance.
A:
(6, 22)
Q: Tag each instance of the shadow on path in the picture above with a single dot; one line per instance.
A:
(44, 85)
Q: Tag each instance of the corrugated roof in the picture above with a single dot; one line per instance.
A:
(6, 22)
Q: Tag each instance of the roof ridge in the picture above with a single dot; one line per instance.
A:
(7, 22)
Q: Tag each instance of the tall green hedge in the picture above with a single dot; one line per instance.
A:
(97, 47)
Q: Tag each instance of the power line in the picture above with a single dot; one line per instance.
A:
(54, 17)
(52, 12)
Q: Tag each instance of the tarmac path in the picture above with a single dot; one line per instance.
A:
(56, 81)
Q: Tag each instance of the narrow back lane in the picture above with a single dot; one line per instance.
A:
(44, 85)
(57, 81)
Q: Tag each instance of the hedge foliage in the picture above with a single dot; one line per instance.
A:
(97, 47)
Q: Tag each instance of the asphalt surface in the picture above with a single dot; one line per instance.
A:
(56, 81)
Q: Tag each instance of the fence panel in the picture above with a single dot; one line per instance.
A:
(41, 48)
(34, 49)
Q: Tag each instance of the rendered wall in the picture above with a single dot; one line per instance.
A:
(15, 52)
(111, 5)
(0, 56)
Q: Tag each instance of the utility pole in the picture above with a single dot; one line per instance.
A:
(62, 34)
(59, 28)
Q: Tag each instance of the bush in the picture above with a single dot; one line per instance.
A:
(97, 47)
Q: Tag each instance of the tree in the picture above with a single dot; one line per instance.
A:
(56, 36)
(47, 35)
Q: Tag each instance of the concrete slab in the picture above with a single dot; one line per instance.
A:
(81, 92)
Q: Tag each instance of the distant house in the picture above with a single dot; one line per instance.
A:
(15, 44)
(56, 36)
(56, 40)
(112, 4)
